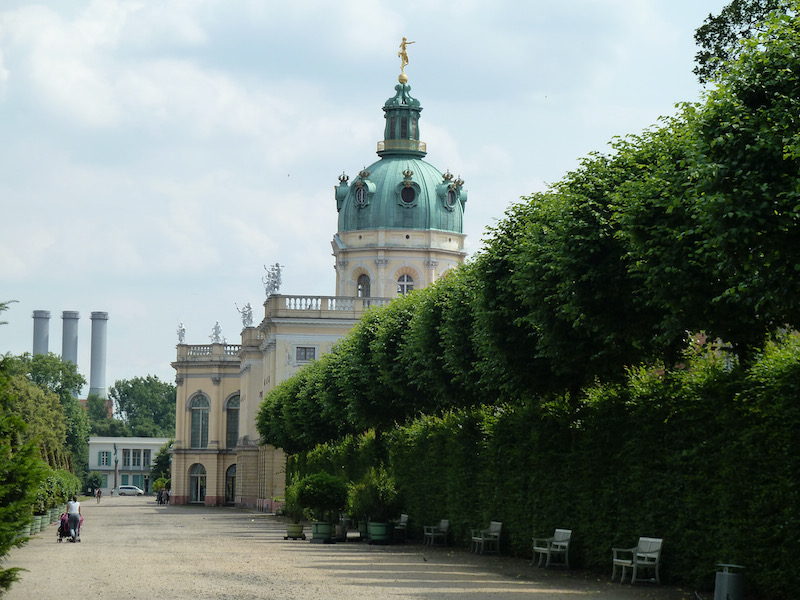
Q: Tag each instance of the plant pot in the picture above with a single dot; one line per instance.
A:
(295, 531)
(37, 524)
(321, 532)
(381, 533)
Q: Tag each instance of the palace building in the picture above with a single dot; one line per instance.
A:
(400, 228)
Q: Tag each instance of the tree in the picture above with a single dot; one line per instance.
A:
(101, 421)
(21, 471)
(44, 416)
(161, 462)
(94, 480)
(146, 405)
(51, 373)
(720, 36)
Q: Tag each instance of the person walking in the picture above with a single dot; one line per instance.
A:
(74, 516)
(99, 495)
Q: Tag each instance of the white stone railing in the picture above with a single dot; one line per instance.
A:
(205, 351)
(325, 303)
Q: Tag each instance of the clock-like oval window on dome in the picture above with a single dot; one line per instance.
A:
(451, 198)
(361, 196)
(408, 195)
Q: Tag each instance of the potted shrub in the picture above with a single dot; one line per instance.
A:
(324, 495)
(376, 498)
(295, 511)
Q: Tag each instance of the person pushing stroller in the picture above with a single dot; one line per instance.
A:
(74, 517)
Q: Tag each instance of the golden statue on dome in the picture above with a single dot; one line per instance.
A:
(403, 54)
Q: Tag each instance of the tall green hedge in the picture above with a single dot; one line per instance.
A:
(705, 456)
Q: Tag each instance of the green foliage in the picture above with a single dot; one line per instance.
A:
(324, 495)
(57, 487)
(101, 422)
(94, 480)
(293, 507)
(160, 469)
(375, 497)
(21, 472)
(146, 405)
(44, 415)
(720, 37)
(54, 375)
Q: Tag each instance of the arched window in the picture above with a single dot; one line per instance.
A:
(199, 408)
(232, 426)
(363, 286)
(197, 483)
(404, 285)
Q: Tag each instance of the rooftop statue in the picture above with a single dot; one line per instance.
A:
(247, 315)
(272, 280)
(403, 54)
(216, 334)
(181, 333)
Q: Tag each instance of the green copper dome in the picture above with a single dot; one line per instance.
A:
(401, 191)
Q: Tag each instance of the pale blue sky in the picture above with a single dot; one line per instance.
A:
(155, 155)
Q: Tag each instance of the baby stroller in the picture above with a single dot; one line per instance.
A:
(63, 529)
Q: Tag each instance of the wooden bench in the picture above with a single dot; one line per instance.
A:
(646, 555)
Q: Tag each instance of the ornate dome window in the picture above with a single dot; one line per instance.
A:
(408, 195)
(362, 286)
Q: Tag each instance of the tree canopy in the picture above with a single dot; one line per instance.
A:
(50, 373)
(719, 37)
(145, 405)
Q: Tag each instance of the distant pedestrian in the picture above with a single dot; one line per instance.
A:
(166, 496)
(160, 497)
(99, 495)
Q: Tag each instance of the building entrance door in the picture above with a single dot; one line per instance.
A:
(197, 484)
(230, 485)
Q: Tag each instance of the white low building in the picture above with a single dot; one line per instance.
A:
(124, 460)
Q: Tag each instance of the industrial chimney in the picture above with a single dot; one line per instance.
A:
(69, 336)
(97, 376)
(41, 331)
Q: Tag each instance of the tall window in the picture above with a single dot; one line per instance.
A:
(363, 286)
(200, 406)
(104, 458)
(404, 285)
(232, 433)
(137, 458)
(126, 457)
(145, 458)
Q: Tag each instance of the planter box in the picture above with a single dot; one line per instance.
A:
(321, 533)
(381, 533)
(295, 531)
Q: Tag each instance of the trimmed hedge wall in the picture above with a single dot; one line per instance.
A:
(706, 457)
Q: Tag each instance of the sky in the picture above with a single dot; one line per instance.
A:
(156, 155)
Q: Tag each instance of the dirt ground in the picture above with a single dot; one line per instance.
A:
(132, 548)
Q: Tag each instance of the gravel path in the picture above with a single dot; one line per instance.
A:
(134, 549)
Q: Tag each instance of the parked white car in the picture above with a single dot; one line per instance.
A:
(130, 490)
